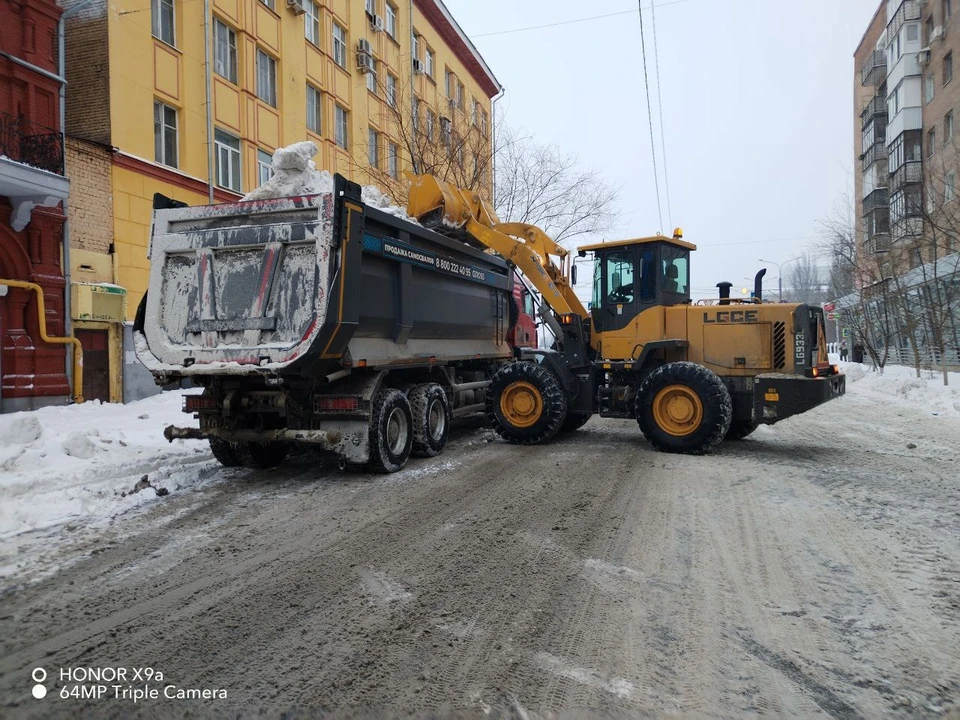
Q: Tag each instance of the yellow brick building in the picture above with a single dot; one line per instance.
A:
(343, 73)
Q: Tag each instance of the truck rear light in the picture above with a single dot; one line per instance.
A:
(337, 403)
(813, 372)
(199, 403)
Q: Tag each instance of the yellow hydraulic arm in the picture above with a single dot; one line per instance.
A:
(434, 201)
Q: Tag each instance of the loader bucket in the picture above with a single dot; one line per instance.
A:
(435, 202)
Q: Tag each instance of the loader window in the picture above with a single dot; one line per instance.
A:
(620, 278)
(676, 278)
(648, 276)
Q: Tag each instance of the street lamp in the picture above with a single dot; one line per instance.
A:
(780, 272)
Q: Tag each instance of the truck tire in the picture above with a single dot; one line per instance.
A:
(261, 455)
(431, 419)
(574, 421)
(525, 403)
(683, 407)
(739, 429)
(391, 431)
(224, 452)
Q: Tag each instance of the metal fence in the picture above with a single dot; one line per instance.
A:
(30, 143)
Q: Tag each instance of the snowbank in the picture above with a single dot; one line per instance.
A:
(900, 385)
(294, 173)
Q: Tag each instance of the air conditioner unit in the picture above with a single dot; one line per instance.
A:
(923, 57)
(364, 46)
(376, 22)
(296, 6)
(418, 66)
(937, 33)
(365, 62)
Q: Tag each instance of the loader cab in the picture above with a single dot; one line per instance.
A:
(630, 276)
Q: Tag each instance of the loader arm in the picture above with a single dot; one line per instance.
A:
(436, 203)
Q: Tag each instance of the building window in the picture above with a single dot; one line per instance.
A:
(340, 127)
(339, 45)
(949, 185)
(391, 90)
(371, 6)
(947, 68)
(264, 167)
(393, 160)
(448, 82)
(948, 128)
(931, 142)
(225, 42)
(163, 20)
(266, 78)
(228, 160)
(475, 113)
(270, 4)
(165, 134)
(947, 10)
(430, 119)
(372, 76)
(416, 115)
(311, 22)
(459, 94)
(445, 131)
(929, 88)
(416, 47)
(373, 151)
(484, 122)
(913, 32)
(431, 62)
(391, 21)
(928, 26)
(314, 110)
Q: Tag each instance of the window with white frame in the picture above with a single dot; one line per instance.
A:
(391, 90)
(266, 78)
(339, 45)
(165, 141)
(311, 22)
(415, 54)
(372, 76)
(373, 149)
(929, 88)
(459, 94)
(416, 114)
(431, 62)
(484, 122)
(948, 127)
(430, 119)
(949, 186)
(391, 21)
(445, 131)
(371, 6)
(340, 126)
(264, 167)
(947, 68)
(225, 51)
(314, 109)
(393, 160)
(270, 4)
(475, 113)
(163, 21)
(228, 160)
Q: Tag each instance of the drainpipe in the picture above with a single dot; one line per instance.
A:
(493, 136)
(209, 82)
(62, 69)
(413, 98)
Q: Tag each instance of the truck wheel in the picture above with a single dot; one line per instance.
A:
(574, 421)
(431, 419)
(261, 455)
(225, 452)
(739, 429)
(683, 407)
(391, 431)
(525, 403)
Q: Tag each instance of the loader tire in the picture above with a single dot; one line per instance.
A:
(574, 421)
(391, 431)
(683, 407)
(525, 403)
(739, 429)
(261, 456)
(431, 419)
(225, 452)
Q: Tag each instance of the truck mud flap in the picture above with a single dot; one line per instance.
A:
(776, 397)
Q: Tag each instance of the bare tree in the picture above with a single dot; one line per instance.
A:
(806, 283)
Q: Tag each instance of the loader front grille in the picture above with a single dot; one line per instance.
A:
(779, 345)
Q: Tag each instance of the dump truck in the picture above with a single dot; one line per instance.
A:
(319, 320)
(690, 373)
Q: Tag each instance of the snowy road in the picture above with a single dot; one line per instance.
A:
(812, 570)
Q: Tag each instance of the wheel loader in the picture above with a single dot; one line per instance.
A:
(691, 373)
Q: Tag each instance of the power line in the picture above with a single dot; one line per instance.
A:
(663, 142)
(570, 22)
(646, 83)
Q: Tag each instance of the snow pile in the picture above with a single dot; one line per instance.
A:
(295, 173)
(82, 464)
(899, 386)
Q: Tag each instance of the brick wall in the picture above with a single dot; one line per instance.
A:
(90, 206)
(88, 73)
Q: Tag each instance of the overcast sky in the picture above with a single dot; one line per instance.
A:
(757, 107)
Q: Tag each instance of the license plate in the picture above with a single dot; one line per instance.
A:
(771, 396)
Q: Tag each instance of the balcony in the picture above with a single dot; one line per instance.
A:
(874, 70)
(911, 172)
(908, 10)
(31, 167)
(875, 200)
(873, 111)
(878, 243)
(875, 153)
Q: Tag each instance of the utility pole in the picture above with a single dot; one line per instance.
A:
(780, 273)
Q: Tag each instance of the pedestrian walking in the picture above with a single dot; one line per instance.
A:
(843, 351)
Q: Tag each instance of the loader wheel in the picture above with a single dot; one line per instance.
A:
(525, 403)
(574, 421)
(391, 431)
(683, 407)
(225, 452)
(261, 455)
(739, 429)
(431, 419)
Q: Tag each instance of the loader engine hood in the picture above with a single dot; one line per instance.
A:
(239, 287)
